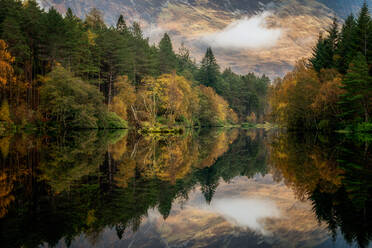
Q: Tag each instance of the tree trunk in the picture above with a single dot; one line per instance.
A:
(110, 89)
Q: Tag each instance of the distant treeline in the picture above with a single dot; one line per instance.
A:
(64, 72)
(333, 89)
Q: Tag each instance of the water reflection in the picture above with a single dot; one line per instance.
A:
(213, 188)
(335, 174)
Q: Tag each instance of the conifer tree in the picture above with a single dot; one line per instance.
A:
(355, 102)
(69, 14)
(121, 26)
(167, 58)
(54, 38)
(209, 69)
(14, 37)
(94, 20)
(136, 31)
(31, 24)
(347, 47)
(320, 57)
(333, 35)
(363, 32)
(325, 49)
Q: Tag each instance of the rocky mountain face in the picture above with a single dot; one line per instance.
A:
(263, 36)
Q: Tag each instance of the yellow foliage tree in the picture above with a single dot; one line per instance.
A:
(170, 96)
(214, 109)
(4, 112)
(291, 99)
(124, 99)
(6, 69)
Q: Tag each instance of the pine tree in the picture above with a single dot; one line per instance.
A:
(363, 32)
(121, 26)
(54, 38)
(69, 14)
(14, 37)
(136, 31)
(333, 34)
(78, 49)
(185, 66)
(32, 26)
(94, 20)
(355, 102)
(321, 55)
(347, 47)
(167, 58)
(325, 50)
(209, 69)
(144, 56)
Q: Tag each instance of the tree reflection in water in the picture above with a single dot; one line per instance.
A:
(335, 173)
(55, 187)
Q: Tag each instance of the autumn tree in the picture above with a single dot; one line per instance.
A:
(6, 69)
(214, 110)
(124, 99)
(4, 112)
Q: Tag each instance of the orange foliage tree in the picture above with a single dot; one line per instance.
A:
(305, 98)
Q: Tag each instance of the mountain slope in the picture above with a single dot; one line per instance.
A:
(264, 36)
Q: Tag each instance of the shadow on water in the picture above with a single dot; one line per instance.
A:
(55, 188)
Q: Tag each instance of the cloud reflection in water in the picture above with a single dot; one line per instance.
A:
(246, 212)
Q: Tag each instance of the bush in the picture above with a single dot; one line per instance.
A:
(70, 103)
(112, 121)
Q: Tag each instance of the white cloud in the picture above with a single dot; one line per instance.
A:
(249, 33)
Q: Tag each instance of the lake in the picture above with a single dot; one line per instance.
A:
(204, 188)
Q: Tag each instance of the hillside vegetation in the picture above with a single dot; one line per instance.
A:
(333, 89)
(66, 73)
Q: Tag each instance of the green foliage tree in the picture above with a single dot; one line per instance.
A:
(69, 102)
(209, 70)
(357, 84)
(95, 20)
(167, 58)
(324, 51)
(347, 45)
(364, 31)
(121, 26)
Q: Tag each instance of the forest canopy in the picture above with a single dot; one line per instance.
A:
(64, 72)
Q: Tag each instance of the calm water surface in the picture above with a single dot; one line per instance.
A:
(210, 188)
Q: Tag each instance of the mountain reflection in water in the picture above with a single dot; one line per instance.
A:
(208, 188)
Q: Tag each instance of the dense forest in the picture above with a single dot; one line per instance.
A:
(333, 89)
(58, 71)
